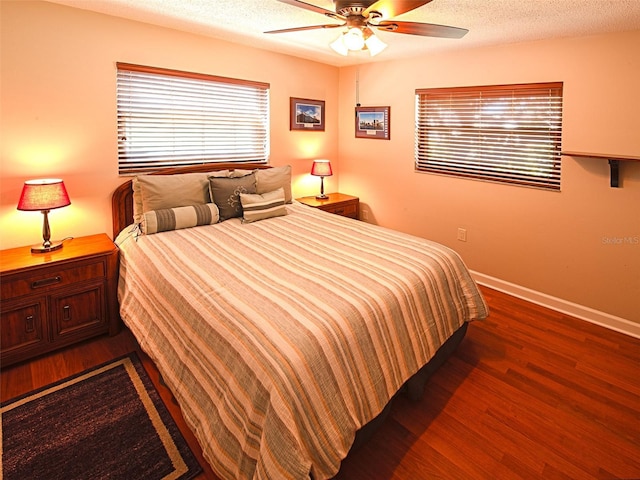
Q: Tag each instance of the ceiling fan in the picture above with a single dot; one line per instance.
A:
(359, 16)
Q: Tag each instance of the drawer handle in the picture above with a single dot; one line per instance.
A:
(29, 324)
(66, 313)
(46, 281)
(340, 211)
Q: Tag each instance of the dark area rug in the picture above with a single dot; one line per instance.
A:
(105, 423)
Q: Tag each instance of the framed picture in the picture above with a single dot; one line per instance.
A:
(373, 122)
(305, 114)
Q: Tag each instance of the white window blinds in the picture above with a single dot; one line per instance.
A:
(173, 118)
(510, 134)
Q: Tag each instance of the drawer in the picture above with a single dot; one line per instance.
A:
(345, 209)
(23, 284)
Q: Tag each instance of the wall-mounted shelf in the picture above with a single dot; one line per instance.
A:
(614, 162)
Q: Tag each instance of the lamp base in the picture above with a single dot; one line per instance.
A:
(46, 248)
(322, 197)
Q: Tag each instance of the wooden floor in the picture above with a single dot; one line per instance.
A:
(530, 393)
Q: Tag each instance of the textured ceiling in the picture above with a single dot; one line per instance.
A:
(490, 22)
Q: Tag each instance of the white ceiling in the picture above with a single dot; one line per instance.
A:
(490, 22)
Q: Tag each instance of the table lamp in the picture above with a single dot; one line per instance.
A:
(321, 168)
(44, 195)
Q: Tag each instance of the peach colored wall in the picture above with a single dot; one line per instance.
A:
(58, 116)
(581, 245)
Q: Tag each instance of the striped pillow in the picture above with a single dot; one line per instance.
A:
(258, 207)
(166, 219)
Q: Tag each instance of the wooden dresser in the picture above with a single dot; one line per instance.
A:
(50, 300)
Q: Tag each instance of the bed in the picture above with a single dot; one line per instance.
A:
(284, 336)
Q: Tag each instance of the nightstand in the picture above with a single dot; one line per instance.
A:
(51, 300)
(337, 203)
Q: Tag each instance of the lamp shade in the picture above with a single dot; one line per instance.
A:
(375, 45)
(353, 39)
(44, 194)
(339, 46)
(321, 168)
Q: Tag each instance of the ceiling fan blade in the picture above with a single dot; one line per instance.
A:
(314, 8)
(299, 29)
(424, 29)
(392, 8)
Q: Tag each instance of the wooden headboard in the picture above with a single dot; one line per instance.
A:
(122, 198)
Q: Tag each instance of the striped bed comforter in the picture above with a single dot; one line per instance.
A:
(281, 338)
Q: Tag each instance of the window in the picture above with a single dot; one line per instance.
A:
(172, 118)
(510, 133)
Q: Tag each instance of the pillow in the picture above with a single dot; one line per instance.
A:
(159, 192)
(225, 193)
(219, 173)
(239, 173)
(137, 201)
(258, 207)
(270, 179)
(163, 220)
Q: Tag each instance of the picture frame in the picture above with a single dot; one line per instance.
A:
(373, 122)
(306, 114)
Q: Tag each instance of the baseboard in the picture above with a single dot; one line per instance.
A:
(575, 310)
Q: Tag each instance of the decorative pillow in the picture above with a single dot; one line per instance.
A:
(270, 179)
(225, 192)
(163, 220)
(258, 207)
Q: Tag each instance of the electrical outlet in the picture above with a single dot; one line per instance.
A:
(364, 213)
(462, 234)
